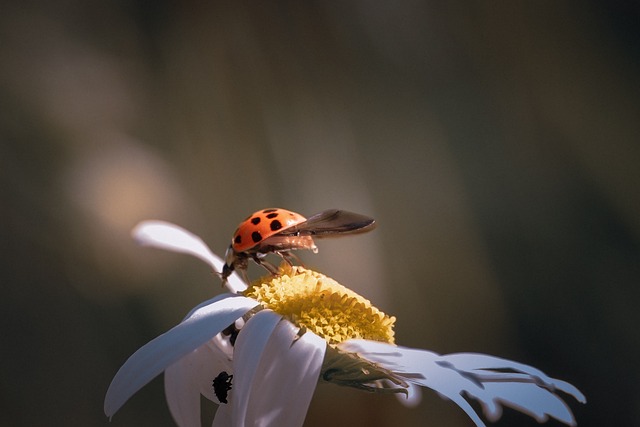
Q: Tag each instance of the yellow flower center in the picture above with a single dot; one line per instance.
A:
(322, 305)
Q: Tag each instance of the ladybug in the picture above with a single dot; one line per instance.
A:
(280, 231)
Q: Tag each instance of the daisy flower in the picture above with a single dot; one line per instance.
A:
(300, 327)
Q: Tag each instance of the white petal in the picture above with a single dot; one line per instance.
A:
(528, 398)
(223, 416)
(279, 376)
(250, 344)
(190, 377)
(480, 362)
(412, 398)
(445, 382)
(154, 357)
(286, 378)
(164, 235)
(480, 376)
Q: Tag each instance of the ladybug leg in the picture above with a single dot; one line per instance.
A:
(245, 276)
(290, 257)
(267, 265)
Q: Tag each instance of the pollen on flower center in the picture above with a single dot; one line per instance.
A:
(322, 305)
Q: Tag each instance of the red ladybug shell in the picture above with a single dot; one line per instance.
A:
(261, 225)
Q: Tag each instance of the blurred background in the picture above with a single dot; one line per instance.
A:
(496, 144)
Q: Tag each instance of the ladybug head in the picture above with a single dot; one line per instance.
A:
(234, 261)
(230, 260)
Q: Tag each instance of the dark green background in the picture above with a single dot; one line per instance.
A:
(495, 142)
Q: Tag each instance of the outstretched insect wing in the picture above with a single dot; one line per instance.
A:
(331, 222)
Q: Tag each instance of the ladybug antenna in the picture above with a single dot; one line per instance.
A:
(219, 274)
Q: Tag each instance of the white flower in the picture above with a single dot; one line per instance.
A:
(291, 331)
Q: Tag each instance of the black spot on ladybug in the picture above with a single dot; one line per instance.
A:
(269, 210)
(222, 385)
(272, 215)
(256, 237)
(275, 225)
(255, 220)
(237, 240)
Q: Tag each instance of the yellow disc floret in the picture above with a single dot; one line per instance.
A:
(322, 305)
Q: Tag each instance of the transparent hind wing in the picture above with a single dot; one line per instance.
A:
(332, 222)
